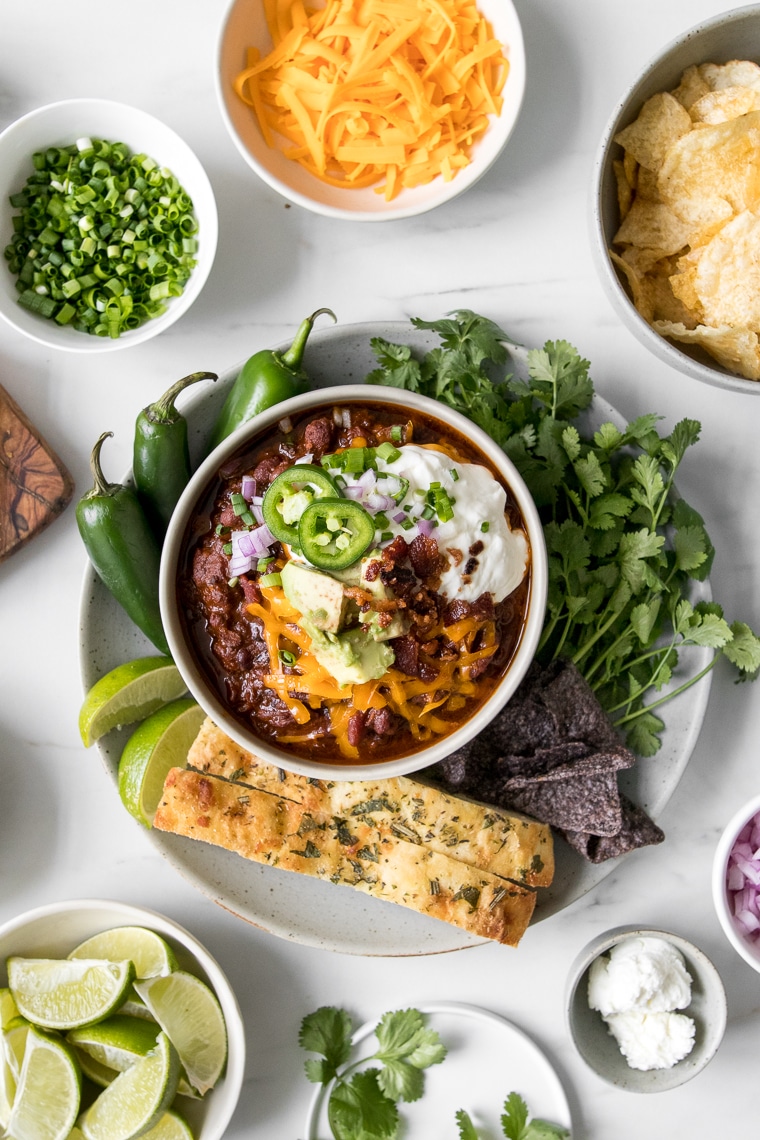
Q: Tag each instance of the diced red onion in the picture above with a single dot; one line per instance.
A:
(376, 501)
(425, 526)
(307, 458)
(285, 424)
(353, 491)
(743, 880)
(346, 418)
(248, 488)
(398, 517)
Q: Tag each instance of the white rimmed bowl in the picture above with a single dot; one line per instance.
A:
(598, 1047)
(244, 25)
(190, 504)
(53, 931)
(732, 35)
(61, 124)
(748, 949)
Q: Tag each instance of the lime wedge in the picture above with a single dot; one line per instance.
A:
(171, 1126)
(129, 693)
(160, 743)
(134, 1006)
(149, 953)
(189, 1013)
(64, 994)
(100, 1075)
(47, 1098)
(137, 1099)
(14, 1044)
(118, 1041)
(8, 1009)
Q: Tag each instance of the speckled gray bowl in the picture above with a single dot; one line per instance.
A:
(599, 1049)
(732, 35)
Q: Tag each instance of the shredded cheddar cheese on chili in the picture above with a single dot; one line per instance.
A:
(310, 686)
(383, 93)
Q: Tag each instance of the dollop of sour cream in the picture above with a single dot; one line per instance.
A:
(483, 554)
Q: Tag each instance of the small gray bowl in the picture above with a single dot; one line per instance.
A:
(731, 35)
(599, 1049)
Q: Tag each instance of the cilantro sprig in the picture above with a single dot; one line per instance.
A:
(624, 548)
(363, 1098)
(515, 1123)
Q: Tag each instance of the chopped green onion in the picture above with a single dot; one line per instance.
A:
(387, 452)
(396, 433)
(287, 657)
(485, 526)
(71, 228)
(454, 474)
(270, 580)
(232, 582)
(263, 563)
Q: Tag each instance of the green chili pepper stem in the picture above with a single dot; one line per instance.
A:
(163, 411)
(100, 485)
(294, 355)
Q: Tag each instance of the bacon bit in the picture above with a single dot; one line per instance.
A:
(477, 548)
(366, 600)
(456, 554)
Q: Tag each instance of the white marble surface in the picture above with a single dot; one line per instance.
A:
(516, 248)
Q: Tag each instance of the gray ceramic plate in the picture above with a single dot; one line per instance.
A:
(315, 913)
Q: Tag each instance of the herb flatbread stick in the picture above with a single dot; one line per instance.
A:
(275, 831)
(508, 844)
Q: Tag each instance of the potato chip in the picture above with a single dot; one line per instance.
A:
(688, 243)
(735, 73)
(654, 226)
(727, 103)
(692, 87)
(727, 278)
(661, 121)
(738, 350)
(624, 188)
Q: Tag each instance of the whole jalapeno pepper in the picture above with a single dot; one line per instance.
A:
(122, 548)
(161, 455)
(266, 378)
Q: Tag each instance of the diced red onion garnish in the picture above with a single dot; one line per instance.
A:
(239, 565)
(256, 510)
(307, 458)
(398, 517)
(251, 543)
(248, 488)
(425, 526)
(285, 424)
(743, 880)
(376, 501)
(346, 418)
(353, 491)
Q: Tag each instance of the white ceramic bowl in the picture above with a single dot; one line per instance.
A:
(731, 35)
(599, 1049)
(61, 124)
(53, 931)
(244, 25)
(195, 494)
(749, 950)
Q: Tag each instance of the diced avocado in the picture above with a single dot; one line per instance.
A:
(317, 596)
(397, 626)
(352, 657)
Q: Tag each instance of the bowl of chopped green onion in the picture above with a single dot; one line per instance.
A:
(109, 226)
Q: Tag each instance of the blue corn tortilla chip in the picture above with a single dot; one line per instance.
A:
(553, 754)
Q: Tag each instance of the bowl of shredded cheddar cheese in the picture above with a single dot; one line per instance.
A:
(370, 111)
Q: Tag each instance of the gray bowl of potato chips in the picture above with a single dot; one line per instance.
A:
(676, 208)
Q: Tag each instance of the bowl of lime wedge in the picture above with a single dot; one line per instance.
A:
(115, 1021)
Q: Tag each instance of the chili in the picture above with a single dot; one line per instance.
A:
(122, 548)
(161, 454)
(306, 479)
(334, 533)
(266, 378)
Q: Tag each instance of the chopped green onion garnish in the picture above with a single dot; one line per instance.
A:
(287, 657)
(484, 526)
(262, 563)
(387, 452)
(233, 582)
(396, 433)
(227, 548)
(270, 580)
(454, 474)
(70, 237)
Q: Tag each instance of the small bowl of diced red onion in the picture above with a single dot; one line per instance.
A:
(736, 882)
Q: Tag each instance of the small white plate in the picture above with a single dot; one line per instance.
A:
(487, 1059)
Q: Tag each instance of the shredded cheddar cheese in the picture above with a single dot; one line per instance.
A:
(383, 93)
(312, 687)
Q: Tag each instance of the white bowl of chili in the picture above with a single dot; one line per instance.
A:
(115, 253)
(378, 153)
(411, 643)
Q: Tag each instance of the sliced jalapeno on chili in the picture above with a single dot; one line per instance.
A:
(334, 533)
(290, 494)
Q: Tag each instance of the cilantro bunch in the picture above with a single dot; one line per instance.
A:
(362, 1102)
(625, 550)
(515, 1123)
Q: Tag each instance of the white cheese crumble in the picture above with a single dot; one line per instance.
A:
(637, 988)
